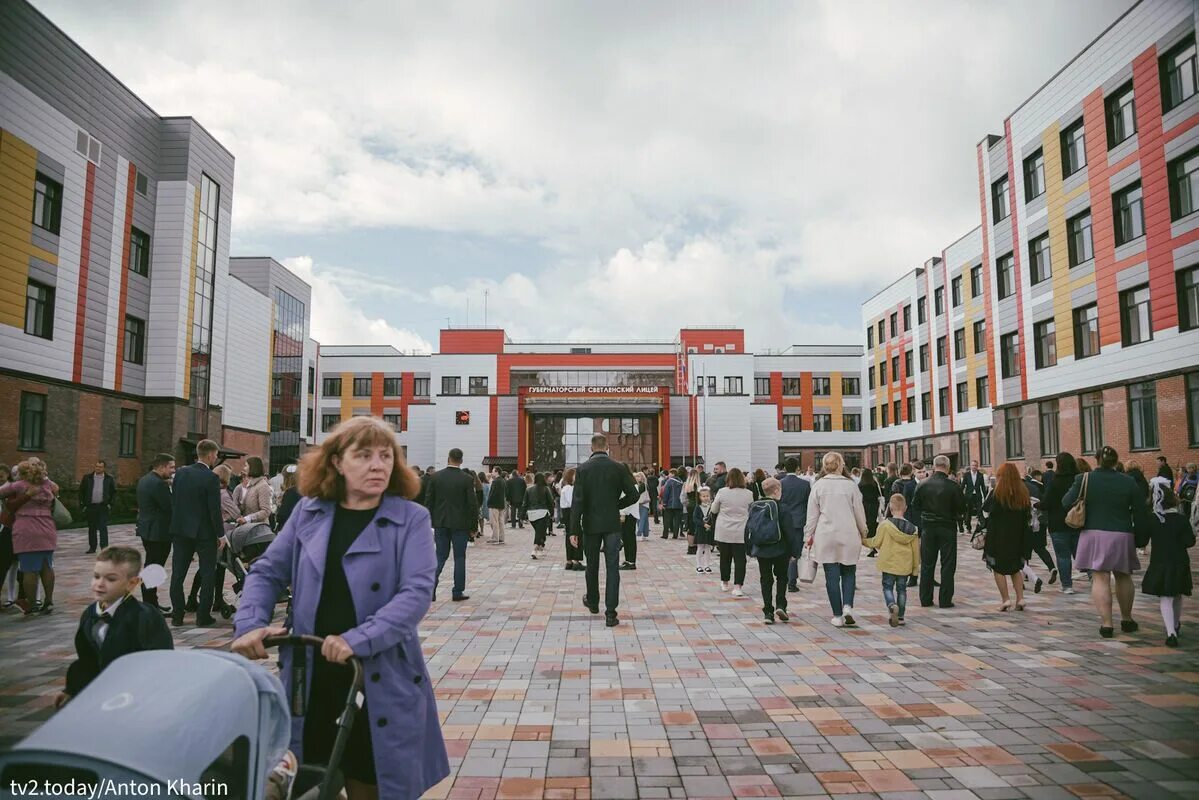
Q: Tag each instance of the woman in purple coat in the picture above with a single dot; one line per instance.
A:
(360, 560)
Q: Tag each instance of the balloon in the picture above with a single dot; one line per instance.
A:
(153, 576)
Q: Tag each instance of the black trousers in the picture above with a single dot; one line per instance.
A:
(181, 560)
(773, 575)
(732, 553)
(97, 526)
(672, 521)
(591, 547)
(653, 506)
(541, 527)
(156, 553)
(938, 541)
(628, 537)
(572, 553)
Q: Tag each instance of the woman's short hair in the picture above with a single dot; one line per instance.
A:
(539, 479)
(735, 479)
(254, 467)
(223, 473)
(320, 478)
(639, 476)
(833, 463)
(1108, 457)
(772, 488)
(1010, 491)
(32, 470)
(568, 477)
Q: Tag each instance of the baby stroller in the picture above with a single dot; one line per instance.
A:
(245, 544)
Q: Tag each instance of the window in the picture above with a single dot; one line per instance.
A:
(1090, 413)
(699, 385)
(894, 368)
(921, 310)
(329, 422)
(331, 387)
(870, 377)
(1044, 339)
(907, 317)
(1193, 408)
(924, 358)
(1142, 415)
(963, 398)
(1074, 149)
(955, 288)
(882, 373)
(1048, 413)
(980, 335)
(976, 280)
(851, 422)
(963, 448)
(869, 336)
(128, 442)
(959, 344)
(1135, 323)
(999, 200)
(822, 422)
(910, 407)
(32, 434)
(391, 387)
(851, 386)
(712, 385)
(895, 323)
(135, 340)
(1188, 298)
(39, 310)
(733, 384)
(939, 300)
(928, 451)
(761, 387)
(943, 401)
(1184, 184)
(1034, 175)
(451, 384)
(895, 412)
(203, 293)
(1009, 352)
(926, 406)
(393, 420)
(362, 387)
(821, 387)
(139, 252)
(478, 384)
(1129, 217)
(882, 330)
(792, 423)
(907, 362)
(311, 379)
(1078, 238)
(790, 387)
(982, 395)
(1086, 331)
(420, 387)
(276, 387)
(941, 351)
(873, 422)
(1013, 432)
(580, 350)
(1039, 267)
(1177, 68)
(1005, 274)
(1121, 115)
(47, 203)
(984, 448)
(885, 413)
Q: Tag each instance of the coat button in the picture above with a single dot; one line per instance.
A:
(417, 679)
(376, 677)
(382, 723)
(374, 587)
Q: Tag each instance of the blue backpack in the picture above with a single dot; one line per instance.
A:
(762, 527)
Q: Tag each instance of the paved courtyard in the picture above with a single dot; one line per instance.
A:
(692, 696)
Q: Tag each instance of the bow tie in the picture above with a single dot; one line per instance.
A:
(105, 617)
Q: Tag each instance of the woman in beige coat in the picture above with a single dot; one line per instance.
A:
(255, 499)
(835, 531)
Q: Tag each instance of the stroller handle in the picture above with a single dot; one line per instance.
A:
(299, 666)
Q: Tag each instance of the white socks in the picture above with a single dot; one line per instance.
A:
(703, 557)
(1029, 573)
(1171, 613)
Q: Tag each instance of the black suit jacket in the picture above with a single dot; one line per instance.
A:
(134, 627)
(602, 488)
(450, 497)
(153, 509)
(85, 489)
(197, 512)
(975, 486)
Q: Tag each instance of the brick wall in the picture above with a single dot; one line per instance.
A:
(252, 444)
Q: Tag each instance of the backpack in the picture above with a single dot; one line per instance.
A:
(1186, 493)
(1034, 520)
(762, 527)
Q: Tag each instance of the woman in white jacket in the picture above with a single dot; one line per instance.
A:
(835, 531)
(731, 508)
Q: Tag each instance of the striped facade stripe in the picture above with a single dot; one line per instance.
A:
(191, 292)
(119, 373)
(85, 256)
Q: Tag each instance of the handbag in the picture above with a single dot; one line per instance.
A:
(979, 540)
(1076, 517)
(807, 568)
(62, 517)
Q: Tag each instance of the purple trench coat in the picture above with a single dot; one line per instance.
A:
(390, 569)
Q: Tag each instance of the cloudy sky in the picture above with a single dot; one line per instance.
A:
(601, 170)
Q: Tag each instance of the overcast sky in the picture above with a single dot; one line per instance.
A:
(603, 170)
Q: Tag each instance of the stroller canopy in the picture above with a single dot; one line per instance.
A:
(251, 533)
(171, 714)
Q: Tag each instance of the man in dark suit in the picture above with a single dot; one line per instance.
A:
(196, 530)
(974, 486)
(651, 487)
(154, 518)
(602, 488)
(453, 507)
(794, 503)
(515, 487)
(96, 491)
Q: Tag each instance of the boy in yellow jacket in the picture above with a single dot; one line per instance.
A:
(898, 545)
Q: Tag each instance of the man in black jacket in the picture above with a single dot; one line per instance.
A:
(515, 486)
(450, 497)
(939, 504)
(602, 488)
(496, 500)
(974, 486)
(196, 530)
(651, 487)
(154, 518)
(96, 491)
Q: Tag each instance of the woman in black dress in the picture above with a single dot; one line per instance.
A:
(1169, 573)
(1006, 514)
(871, 497)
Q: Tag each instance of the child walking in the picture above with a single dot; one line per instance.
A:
(704, 535)
(1169, 573)
(898, 543)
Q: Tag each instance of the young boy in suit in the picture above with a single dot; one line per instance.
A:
(116, 624)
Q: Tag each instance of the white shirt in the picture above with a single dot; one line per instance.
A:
(101, 629)
(97, 489)
(567, 494)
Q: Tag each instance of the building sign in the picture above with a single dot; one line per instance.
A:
(651, 390)
(461, 417)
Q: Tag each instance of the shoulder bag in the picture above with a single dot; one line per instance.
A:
(1076, 517)
(62, 517)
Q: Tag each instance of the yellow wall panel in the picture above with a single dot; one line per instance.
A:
(18, 171)
(834, 383)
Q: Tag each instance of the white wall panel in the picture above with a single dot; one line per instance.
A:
(421, 436)
(247, 366)
(170, 289)
(474, 438)
(112, 320)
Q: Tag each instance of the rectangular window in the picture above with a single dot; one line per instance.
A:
(1044, 337)
(699, 385)
(1177, 69)
(478, 384)
(982, 396)
(895, 412)
(959, 344)
(999, 200)
(980, 335)
(733, 384)
(420, 387)
(331, 387)
(311, 380)
(869, 336)
(894, 368)
(393, 420)
(882, 331)
(851, 387)
(943, 401)
(1078, 238)
(963, 448)
(942, 347)
(1086, 331)
(203, 294)
(907, 362)
(47, 203)
(1074, 149)
(955, 291)
(1090, 412)
(873, 421)
(1128, 214)
(907, 317)
(886, 415)
(984, 448)
(32, 423)
(924, 358)
(870, 378)
(1187, 281)
(910, 407)
(792, 423)
(451, 384)
(790, 387)
(1005, 275)
(821, 387)
(1121, 113)
(1048, 413)
(822, 422)
(1014, 433)
(712, 385)
(1009, 352)
(1135, 323)
(1034, 175)
(391, 387)
(882, 373)
(276, 387)
(939, 300)
(761, 387)
(1142, 415)
(1184, 184)
(921, 310)
(329, 422)
(1039, 267)
(135, 340)
(139, 252)
(851, 423)
(1193, 408)
(895, 323)
(976, 280)
(926, 406)
(128, 440)
(963, 398)
(39, 310)
(362, 387)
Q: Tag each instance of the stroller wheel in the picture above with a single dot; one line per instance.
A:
(226, 612)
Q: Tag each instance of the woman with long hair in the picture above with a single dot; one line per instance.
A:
(539, 508)
(835, 531)
(1064, 538)
(574, 555)
(691, 500)
(757, 485)
(731, 509)
(1006, 514)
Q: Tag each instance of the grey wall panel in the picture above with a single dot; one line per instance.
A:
(680, 425)
(49, 167)
(44, 239)
(254, 272)
(507, 429)
(43, 272)
(1132, 276)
